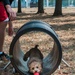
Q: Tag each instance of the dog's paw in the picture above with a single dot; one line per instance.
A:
(25, 59)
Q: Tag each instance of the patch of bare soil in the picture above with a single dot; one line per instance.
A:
(64, 26)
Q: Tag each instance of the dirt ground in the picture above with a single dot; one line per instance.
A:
(64, 26)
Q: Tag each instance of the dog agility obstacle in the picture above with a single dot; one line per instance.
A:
(50, 63)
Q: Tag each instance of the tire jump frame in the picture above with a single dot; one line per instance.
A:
(50, 62)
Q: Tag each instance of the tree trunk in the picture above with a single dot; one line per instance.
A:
(40, 6)
(19, 6)
(58, 8)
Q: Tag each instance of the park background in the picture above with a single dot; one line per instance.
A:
(62, 22)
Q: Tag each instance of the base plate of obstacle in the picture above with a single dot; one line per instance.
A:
(53, 59)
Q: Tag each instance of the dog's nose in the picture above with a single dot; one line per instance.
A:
(35, 71)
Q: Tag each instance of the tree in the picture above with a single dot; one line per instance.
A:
(58, 8)
(19, 6)
(40, 6)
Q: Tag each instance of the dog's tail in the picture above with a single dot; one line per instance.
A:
(36, 46)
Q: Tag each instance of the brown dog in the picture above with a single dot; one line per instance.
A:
(35, 63)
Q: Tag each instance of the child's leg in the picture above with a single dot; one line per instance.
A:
(3, 24)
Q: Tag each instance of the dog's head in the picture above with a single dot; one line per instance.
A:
(35, 67)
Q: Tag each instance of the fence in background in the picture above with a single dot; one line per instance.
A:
(47, 3)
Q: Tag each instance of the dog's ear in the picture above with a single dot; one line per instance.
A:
(26, 56)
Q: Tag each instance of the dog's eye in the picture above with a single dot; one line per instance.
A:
(37, 67)
(33, 68)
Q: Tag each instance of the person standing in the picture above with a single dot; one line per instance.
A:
(5, 9)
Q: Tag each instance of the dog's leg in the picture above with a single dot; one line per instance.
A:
(26, 56)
